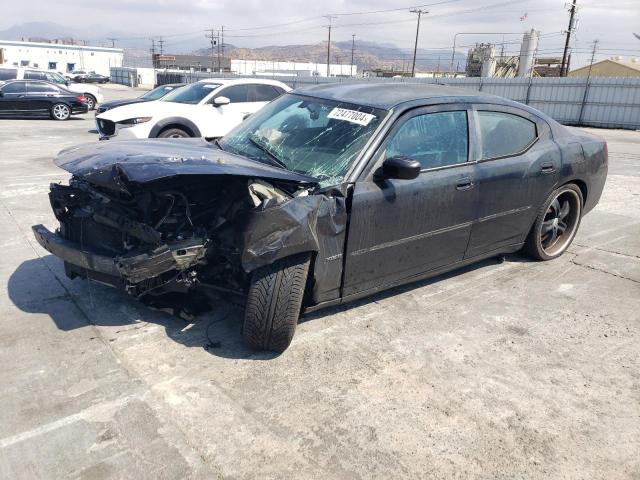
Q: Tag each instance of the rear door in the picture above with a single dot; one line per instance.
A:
(519, 165)
(400, 229)
(40, 97)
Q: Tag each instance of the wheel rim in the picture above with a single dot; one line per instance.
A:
(176, 135)
(90, 103)
(560, 222)
(61, 112)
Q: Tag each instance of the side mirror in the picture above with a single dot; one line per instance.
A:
(400, 168)
(67, 82)
(219, 101)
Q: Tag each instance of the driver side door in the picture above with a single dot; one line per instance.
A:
(400, 229)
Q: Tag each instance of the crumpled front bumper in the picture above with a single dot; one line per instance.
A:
(72, 253)
(129, 268)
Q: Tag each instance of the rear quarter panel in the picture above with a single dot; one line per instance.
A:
(584, 161)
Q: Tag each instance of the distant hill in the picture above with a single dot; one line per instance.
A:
(367, 55)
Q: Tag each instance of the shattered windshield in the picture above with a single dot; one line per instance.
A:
(307, 135)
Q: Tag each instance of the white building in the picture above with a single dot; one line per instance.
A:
(277, 68)
(59, 57)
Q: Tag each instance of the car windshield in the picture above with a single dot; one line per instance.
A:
(193, 93)
(55, 78)
(307, 135)
(157, 93)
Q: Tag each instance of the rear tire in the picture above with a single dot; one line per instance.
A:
(91, 101)
(60, 111)
(173, 133)
(274, 302)
(556, 223)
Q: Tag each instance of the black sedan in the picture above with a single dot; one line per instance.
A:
(23, 98)
(326, 195)
(155, 94)
(91, 77)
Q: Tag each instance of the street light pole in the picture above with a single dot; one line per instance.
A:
(353, 47)
(415, 47)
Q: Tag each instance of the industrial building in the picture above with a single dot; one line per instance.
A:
(59, 57)
(612, 67)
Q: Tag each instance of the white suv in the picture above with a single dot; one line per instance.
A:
(91, 92)
(208, 108)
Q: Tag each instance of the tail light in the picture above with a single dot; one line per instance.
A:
(81, 99)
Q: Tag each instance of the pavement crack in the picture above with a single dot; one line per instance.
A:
(607, 251)
(590, 267)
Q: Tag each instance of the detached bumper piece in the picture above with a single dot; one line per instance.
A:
(123, 270)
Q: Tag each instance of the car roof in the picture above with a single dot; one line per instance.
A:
(387, 95)
(239, 81)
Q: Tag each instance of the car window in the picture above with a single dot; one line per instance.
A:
(39, 87)
(15, 87)
(54, 78)
(191, 94)
(8, 73)
(262, 93)
(433, 139)
(235, 93)
(158, 92)
(504, 134)
(31, 75)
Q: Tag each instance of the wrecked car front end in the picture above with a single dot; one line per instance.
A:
(163, 217)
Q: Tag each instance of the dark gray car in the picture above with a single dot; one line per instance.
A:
(326, 195)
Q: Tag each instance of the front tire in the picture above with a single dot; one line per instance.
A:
(173, 133)
(60, 111)
(556, 224)
(274, 302)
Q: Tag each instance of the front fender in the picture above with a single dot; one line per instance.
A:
(177, 121)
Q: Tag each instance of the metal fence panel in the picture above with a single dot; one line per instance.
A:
(609, 102)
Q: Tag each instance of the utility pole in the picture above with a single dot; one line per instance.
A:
(415, 47)
(330, 18)
(222, 44)
(588, 82)
(113, 42)
(353, 49)
(161, 42)
(593, 57)
(572, 12)
(212, 38)
(153, 52)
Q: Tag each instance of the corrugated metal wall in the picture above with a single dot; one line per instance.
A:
(607, 102)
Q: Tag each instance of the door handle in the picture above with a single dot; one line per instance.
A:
(464, 184)
(547, 168)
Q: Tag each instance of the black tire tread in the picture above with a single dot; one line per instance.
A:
(531, 245)
(274, 302)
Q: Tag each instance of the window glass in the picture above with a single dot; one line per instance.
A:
(14, 87)
(31, 75)
(191, 94)
(8, 73)
(54, 78)
(504, 134)
(312, 136)
(158, 92)
(236, 93)
(434, 139)
(38, 87)
(262, 93)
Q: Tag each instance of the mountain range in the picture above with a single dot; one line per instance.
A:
(367, 55)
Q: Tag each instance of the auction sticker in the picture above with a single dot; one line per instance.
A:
(352, 116)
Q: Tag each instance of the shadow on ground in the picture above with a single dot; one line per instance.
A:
(218, 331)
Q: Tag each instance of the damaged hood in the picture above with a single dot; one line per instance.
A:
(110, 163)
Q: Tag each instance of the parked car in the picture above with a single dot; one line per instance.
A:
(328, 194)
(91, 77)
(90, 92)
(21, 98)
(208, 108)
(154, 94)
